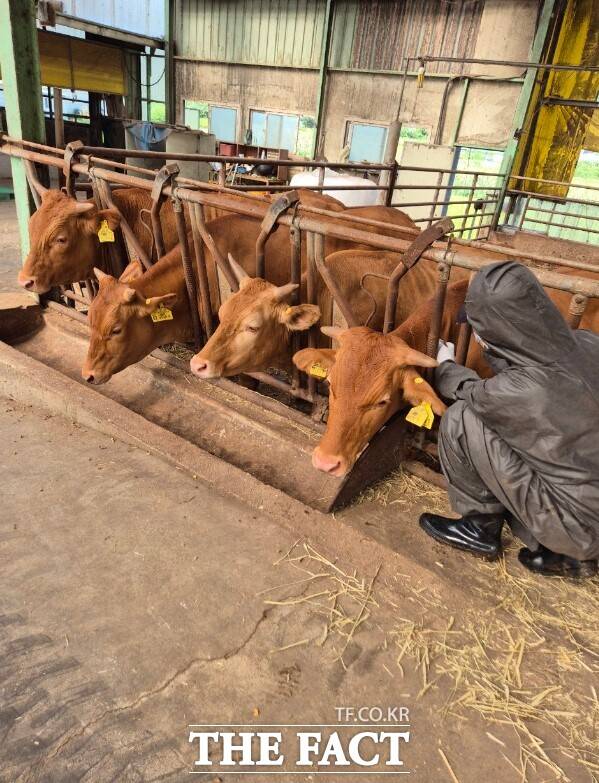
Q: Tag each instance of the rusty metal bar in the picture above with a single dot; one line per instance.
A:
(200, 259)
(208, 239)
(6, 147)
(164, 176)
(524, 210)
(71, 152)
(432, 341)
(190, 282)
(576, 309)
(311, 255)
(409, 258)
(464, 336)
(333, 227)
(295, 276)
(269, 222)
(435, 202)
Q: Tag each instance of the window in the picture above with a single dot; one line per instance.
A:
(366, 142)
(291, 132)
(153, 106)
(417, 134)
(220, 120)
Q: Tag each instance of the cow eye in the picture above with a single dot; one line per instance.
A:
(116, 330)
(382, 403)
(252, 329)
(61, 240)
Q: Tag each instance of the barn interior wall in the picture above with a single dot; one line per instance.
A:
(506, 31)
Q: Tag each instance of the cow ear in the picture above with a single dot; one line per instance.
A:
(111, 216)
(334, 332)
(299, 317)
(153, 303)
(303, 360)
(133, 270)
(417, 390)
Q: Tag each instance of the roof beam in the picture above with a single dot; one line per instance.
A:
(109, 32)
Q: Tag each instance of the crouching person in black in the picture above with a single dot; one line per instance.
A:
(522, 447)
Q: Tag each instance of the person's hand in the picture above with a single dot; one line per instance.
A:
(445, 352)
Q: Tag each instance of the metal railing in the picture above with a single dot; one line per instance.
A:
(469, 198)
(316, 225)
(574, 217)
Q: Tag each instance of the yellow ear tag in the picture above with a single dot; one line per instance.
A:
(162, 313)
(418, 379)
(421, 415)
(105, 233)
(317, 370)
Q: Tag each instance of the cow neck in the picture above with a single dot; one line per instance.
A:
(166, 277)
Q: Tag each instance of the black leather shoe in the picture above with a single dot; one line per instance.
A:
(549, 563)
(476, 533)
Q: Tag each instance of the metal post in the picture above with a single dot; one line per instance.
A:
(578, 304)
(322, 76)
(190, 282)
(526, 91)
(19, 61)
(200, 257)
(169, 60)
(295, 238)
(434, 333)
(58, 118)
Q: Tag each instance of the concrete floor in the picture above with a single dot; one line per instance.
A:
(135, 600)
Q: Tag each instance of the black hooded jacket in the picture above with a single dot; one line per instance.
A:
(545, 403)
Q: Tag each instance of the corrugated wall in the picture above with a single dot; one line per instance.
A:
(145, 17)
(266, 32)
(377, 34)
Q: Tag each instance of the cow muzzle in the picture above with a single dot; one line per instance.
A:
(333, 464)
(203, 368)
(94, 378)
(30, 283)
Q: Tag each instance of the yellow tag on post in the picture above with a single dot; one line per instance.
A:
(317, 370)
(421, 415)
(105, 233)
(161, 314)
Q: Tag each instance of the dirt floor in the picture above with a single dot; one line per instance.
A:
(9, 246)
(136, 600)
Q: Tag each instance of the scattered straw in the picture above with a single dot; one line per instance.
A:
(448, 765)
(343, 600)
(402, 488)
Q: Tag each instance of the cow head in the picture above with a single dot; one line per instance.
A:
(63, 238)
(371, 376)
(255, 327)
(121, 331)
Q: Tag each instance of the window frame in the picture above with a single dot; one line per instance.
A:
(280, 113)
(215, 105)
(348, 135)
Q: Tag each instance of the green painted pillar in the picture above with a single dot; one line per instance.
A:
(19, 60)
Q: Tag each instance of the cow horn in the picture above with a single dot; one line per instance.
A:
(335, 332)
(238, 270)
(100, 275)
(283, 291)
(81, 207)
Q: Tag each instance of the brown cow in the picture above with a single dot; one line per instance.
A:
(371, 377)
(235, 234)
(365, 367)
(63, 235)
(233, 350)
(64, 245)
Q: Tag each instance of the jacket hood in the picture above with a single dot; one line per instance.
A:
(511, 312)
